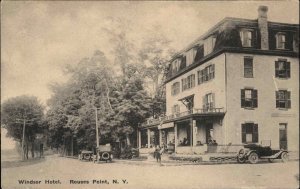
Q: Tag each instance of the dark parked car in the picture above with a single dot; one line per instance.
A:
(103, 153)
(254, 152)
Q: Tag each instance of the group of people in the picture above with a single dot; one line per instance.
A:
(185, 142)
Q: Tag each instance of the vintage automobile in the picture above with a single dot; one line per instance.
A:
(85, 155)
(103, 153)
(254, 152)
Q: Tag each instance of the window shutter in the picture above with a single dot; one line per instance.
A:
(242, 98)
(213, 71)
(203, 102)
(289, 41)
(213, 100)
(276, 68)
(288, 68)
(255, 133)
(193, 81)
(254, 98)
(254, 39)
(288, 96)
(243, 133)
(202, 75)
(277, 97)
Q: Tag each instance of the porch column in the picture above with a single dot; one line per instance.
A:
(160, 137)
(148, 136)
(175, 133)
(194, 133)
(139, 139)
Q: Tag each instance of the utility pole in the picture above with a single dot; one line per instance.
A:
(97, 131)
(23, 138)
(97, 136)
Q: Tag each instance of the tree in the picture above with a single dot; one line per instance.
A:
(72, 106)
(16, 112)
(132, 109)
(154, 54)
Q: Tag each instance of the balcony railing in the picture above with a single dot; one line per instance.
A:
(153, 121)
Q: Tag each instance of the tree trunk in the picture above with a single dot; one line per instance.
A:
(26, 151)
(32, 149)
(128, 140)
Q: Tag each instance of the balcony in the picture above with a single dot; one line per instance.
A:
(173, 117)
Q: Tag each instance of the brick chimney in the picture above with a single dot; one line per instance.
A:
(263, 27)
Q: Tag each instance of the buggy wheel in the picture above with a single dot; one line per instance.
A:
(253, 158)
(270, 160)
(284, 157)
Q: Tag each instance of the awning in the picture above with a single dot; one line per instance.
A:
(166, 125)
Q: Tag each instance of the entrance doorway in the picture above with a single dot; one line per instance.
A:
(283, 136)
(209, 133)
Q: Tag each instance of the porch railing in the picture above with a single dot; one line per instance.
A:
(153, 121)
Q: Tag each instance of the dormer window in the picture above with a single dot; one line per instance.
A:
(246, 37)
(176, 65)
(190, 56)
(209, 44)
(280, 41)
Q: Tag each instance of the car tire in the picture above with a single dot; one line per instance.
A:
(253, 158)
(270, 160)
(284, 157)
(241, 156)
(105, 156)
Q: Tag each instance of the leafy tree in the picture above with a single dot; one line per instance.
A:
(132, 109)
(15, 111)
(72, 107)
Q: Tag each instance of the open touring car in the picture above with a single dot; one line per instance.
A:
(254, 152)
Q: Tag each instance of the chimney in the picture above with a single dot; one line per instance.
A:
(263, 27)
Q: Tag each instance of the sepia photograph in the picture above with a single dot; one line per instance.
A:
(150, 94)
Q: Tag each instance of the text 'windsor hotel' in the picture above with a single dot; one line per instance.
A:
(236, 84)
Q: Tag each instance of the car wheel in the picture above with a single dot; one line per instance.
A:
(271, 160)
(253, 158)
(241, 156)
(284, 157)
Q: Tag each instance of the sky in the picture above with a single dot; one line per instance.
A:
(39, 38)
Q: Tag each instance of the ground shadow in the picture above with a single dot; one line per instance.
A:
(20, 163)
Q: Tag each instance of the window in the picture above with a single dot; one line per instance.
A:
(246, 38)
(283, 99)
(249, 133)
(176, 109)
(282, 69)
(175, 89)
(209, 45)
(190, 56)
(206, 74)
(209, 101)
(249, 98)
(188, 82)
(176, 65)
(280, 41)
(248, 67)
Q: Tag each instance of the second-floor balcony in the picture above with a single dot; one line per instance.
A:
(173, 117)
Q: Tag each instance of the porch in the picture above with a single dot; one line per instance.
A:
(197, 131)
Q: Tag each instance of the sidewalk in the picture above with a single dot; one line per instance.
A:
(178, 160)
